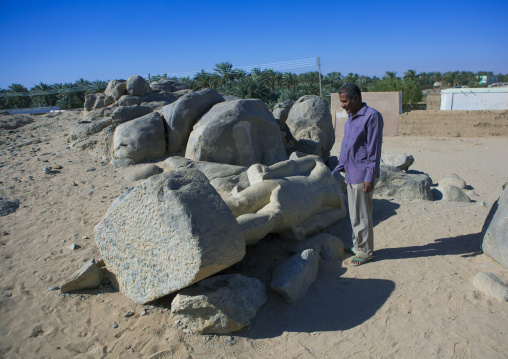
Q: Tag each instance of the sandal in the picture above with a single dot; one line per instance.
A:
(358, 261)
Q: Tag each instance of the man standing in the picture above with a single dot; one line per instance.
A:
(359, 158)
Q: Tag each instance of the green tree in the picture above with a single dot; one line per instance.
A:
(203, 80)
(223, 74)
(17, 96)
(43, 95)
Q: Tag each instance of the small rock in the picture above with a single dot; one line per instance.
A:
(74, 236)
(73, 247)
(115, 325)
(128, 314)
(143, 313)
(4, 233)
(84, 237)
(47, 170)
(52, 288)
(91, 169)
(74, 183)
(57, 167)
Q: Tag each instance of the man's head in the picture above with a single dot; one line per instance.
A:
(350, 98)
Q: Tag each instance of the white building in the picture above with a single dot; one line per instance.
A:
(473, 99)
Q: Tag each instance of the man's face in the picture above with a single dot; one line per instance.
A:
(350, 105)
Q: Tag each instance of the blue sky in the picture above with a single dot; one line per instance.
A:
(62, 41)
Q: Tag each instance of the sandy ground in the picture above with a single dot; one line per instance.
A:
(415, 300)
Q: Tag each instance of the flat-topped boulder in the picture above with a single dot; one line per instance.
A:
(168, 232)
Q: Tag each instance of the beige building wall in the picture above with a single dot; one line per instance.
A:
(433, 101)
(389, 104)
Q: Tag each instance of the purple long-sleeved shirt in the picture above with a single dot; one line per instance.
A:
(360, 152)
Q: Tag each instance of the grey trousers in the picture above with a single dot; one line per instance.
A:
(360, 212)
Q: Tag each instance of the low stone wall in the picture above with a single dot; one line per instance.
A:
(438, 123)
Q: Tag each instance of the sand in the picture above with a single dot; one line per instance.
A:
(415, 300)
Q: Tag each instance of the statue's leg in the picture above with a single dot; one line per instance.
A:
(251, 199)
(314, 224)
(256, 226)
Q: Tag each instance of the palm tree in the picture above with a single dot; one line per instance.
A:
(224, 74)
(71, 95)
(411, 74)
(390, 74)
(17, 96)
(42, 95)
(290, 80)
(203, 80)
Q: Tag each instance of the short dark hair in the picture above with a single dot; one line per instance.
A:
(351, 89)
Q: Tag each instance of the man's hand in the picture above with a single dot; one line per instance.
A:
(368, 187)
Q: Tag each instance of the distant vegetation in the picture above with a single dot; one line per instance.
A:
(268, 85)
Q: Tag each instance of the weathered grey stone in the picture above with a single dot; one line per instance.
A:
(161, 86)
(491, 285)
(122, 162)
(90, 101)
(137, 86)
(126, 113)
(177, 86)
(452, 180)
(98, 114)
(450, 193)
(219, 305)
(170, 231)
(116, 89)
(292, 278)
(141, 139)
(100, 101)
(82, 130)
(89, 276)
(223, 177)
(495, 230)
(395, 183)
(98, 145)
(281, 111)
(143, 171)
(8, 207)
(181, 115)
(239, 132)
(330, 248)
(310, 123)
(400, 160)
(168, 98)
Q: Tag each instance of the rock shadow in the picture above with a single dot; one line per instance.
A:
(332, 303)
(467, 245)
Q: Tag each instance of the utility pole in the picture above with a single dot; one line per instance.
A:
(319, 71)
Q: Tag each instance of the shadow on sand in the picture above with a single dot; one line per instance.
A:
(332, 303)
(467, 245)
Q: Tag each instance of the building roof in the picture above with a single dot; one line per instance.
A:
(476, 90)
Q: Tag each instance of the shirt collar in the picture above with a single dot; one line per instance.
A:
(361, 111)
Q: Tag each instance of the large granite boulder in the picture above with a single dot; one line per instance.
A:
(116, 89)
(310, 123)
(395, 183)
(167, 86)
(181, 115)
(172, 230)
(495, 230)
(85, 128)
(137, 86)
(126, 113)
(491, 285)
(223, 177)
(98, 145)
(238, 132)
(141, 139)
(281, 112)
(451, 188)
(400, 160)
(219, 305)
(292, 278)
